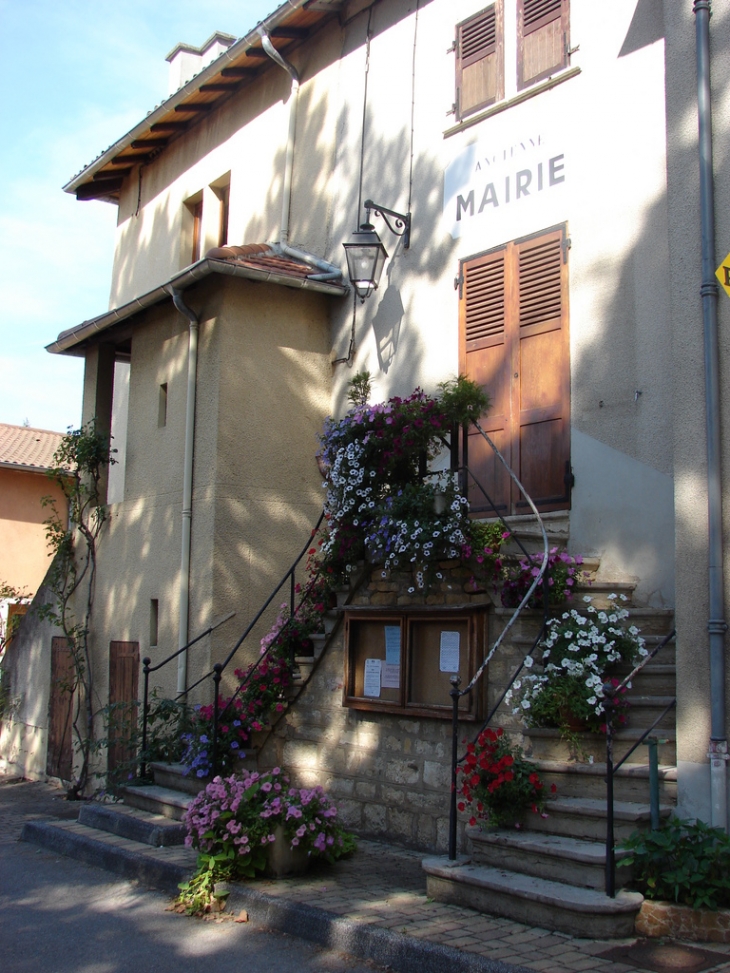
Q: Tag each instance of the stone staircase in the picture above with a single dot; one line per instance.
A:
(141, 836)
(552, 873)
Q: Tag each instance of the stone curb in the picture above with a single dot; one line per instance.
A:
(130, 864)
(367, 941)
(398, 951)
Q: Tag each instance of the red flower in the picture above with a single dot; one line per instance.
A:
(461, 806)
(553, 788)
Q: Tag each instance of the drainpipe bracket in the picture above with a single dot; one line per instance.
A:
(718, 752)
(717, 626)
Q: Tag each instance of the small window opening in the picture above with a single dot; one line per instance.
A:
(154, 618)
(162, 406)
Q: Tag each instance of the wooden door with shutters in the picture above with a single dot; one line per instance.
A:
(513, 341)
(59, 758)
(123, 691)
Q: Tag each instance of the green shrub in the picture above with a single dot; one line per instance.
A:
(684, 862)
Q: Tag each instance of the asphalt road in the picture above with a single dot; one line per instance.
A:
(61, 916)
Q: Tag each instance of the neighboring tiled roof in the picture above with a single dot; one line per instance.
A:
(260, 256)
(29, 448)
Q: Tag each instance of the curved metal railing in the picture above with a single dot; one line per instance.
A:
(216, 672)
(457, 693)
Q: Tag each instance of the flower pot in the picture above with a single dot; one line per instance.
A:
(284, 860)
(570, 721)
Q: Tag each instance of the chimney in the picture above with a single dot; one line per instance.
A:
(186, 61)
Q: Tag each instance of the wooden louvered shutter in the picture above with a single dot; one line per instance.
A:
(59, 758)
(543, 39)
(514, 343)
(484, 349)
(123, 691)
(479, 61)
(541, 400)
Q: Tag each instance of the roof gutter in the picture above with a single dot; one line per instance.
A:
(67, 340)
(157, 114)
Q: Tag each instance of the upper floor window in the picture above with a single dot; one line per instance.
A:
(542, 39)
(506, 47)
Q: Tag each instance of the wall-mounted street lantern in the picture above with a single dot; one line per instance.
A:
(365, 252)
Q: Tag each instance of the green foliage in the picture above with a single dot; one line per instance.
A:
(497, 783)
(462, 400)
(378, 502)
(683, 861)
(79, 465)
(358, 393)
(580, 653)
(235, 820)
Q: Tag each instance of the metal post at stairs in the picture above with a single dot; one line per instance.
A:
(608, 691)
(146, 662)
(652, 744)
(454, 693)
(217, 670)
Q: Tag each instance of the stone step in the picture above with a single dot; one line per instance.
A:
(130, 822)
(174, 777)
(532, 901)
(162, 868)
(630, 782)
(585, 818)
(649, 621)
(560, 858)
(599, 589)
(164, 801)
(655, 679)
(546, 743)
(644, 710)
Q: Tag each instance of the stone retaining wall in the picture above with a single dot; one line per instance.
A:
(390, 774)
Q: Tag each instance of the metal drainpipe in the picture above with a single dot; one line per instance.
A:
(716, 625)
(329, 271)
(187, 498)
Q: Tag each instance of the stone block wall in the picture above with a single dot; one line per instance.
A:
(390, 774)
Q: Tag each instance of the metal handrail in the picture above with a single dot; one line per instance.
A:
(456, 693)
(147, 669)
(609, 692)
(216, 672)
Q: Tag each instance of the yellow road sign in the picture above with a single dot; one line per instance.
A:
(723, 274)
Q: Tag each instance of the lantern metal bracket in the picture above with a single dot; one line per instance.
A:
(401, 225)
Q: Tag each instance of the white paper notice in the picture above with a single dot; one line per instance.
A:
(392, 645)
(391, 676)
(372, 677)
(449, 656)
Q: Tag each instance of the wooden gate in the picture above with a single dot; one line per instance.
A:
(123, 689)
(59, 759)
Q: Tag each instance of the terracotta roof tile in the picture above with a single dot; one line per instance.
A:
(260, 256)
(23, 446)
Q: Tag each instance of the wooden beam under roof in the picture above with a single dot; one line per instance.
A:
(238, 72)
(169, 126)
(104, 188)
(291, 33)
(111, 173)
(258, 52)
(195, 107)
(148, 143)
(230, 86)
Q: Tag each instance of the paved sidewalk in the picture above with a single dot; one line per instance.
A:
(383, 888)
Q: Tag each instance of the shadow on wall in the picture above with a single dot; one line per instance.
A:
(26, 691)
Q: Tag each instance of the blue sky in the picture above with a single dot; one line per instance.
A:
(76, 76)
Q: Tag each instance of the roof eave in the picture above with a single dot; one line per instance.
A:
(74, 337)
(233, 52)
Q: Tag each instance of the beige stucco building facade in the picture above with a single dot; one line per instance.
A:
(598, 145)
